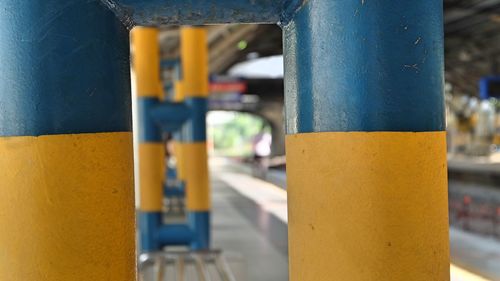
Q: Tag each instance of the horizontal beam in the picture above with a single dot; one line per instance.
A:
(170, 116)
(175, 234)
(174, 190)
(197, 12)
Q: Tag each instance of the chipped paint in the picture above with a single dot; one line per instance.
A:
(180, 12)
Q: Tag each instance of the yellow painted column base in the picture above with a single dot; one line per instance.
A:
(151, 176)
(67, 208)
(194, 158)
(368, 206)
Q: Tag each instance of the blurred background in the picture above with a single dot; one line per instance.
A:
(246, 139)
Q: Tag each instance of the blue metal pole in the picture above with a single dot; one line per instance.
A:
(366, 131)
(66, 161)
(176, 234)
(196, 12)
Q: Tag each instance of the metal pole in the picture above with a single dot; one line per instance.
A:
(178, 147)
(366, 148)
(66, 165)
(194, 53)
(146, 59)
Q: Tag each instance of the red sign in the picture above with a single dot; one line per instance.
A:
(228, 87)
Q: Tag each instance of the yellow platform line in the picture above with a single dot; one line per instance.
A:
(460, 274)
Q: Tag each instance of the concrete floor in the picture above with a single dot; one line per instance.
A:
(478, 254)
(253, 240)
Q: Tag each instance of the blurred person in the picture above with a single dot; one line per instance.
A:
(261, 146)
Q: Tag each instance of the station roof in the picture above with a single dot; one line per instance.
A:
(472, 48)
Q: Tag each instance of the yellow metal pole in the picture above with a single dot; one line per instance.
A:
(146, 61)
(194, 56)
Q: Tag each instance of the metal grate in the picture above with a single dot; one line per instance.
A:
(184, 266)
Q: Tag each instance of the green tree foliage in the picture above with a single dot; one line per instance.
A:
(234, 137)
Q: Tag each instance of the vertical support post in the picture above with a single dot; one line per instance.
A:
(66, 165)
(194, 56)
(146, 60)
(178, 147)
(366, 148)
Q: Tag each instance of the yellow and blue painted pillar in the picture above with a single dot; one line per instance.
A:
(151, 161)
(366, 148)
(66, 164)
(192, 145)
(175, 186)
(177, 138)
(155, 117)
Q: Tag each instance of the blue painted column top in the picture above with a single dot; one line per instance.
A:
(64, 68)
(485, 85)
(365, 66)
